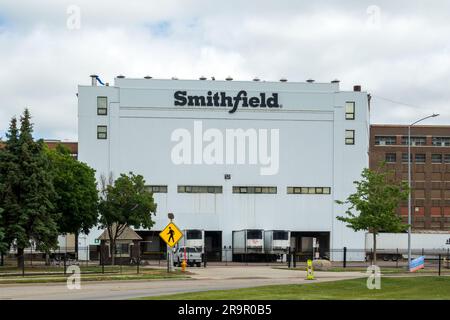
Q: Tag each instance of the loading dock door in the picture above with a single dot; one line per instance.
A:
(213, 245)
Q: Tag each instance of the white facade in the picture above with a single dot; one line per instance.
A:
(311, 122)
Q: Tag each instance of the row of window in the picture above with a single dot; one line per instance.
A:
(415, 141)
(418, 158)
(308, 190)
(245, 189)
(240, 189)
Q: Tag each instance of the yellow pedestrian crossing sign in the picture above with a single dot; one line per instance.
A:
(171, 234)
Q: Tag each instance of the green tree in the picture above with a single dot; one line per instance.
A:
(76, 190)
(373, 206)
(124, 203)
(27, 193)
(3, 244)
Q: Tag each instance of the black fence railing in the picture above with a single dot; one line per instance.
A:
(131, 258)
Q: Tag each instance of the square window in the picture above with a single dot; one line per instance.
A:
(102, 132)
(102, 106)
(349, 136)
(420, 158)
(311, 190)
(304, 190)
(181, 189)
(405, 157)
(326, 190)
(258, 189)
(297, 190)
(447, 158)
(390, 157)
(273, 190)
(350, 110)
(290, 190)
(243, 190)
(319, 190)
(436, 158)
(385, 140)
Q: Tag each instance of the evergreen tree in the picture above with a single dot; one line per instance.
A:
(27, 192)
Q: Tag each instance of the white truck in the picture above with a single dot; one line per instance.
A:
(194, 238)
(248, 241)
(277, 241)
(394, 246)
(192, 255)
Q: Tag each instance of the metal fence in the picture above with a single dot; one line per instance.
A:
(98, 260)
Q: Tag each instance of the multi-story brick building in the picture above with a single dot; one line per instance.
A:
(430, 169)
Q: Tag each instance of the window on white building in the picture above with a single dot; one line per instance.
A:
(102, 132)
(102, 106)
(349, 136)
(350, 110)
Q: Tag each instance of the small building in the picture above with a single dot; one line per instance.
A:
(127, 247)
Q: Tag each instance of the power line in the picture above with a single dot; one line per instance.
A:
(396, 102)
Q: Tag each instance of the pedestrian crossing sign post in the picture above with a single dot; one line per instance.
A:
(171, 234)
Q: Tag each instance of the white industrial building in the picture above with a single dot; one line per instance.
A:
(232, 155)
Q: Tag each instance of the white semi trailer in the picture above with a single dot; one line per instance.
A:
(277, 241)
(194, 238)
(394, 246)
(248, 241)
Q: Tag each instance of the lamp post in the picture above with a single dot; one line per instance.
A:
(409, 183)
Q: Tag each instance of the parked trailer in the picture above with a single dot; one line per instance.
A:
(394, 246)
(248, 241)
(276, 241)
(194, 238)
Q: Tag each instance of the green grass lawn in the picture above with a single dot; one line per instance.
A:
(89, 273)
(421, 287)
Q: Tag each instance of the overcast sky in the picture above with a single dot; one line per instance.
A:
(397, 51)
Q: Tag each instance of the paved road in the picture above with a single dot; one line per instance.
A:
(211, 278)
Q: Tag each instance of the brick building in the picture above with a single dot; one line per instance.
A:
(430, 169)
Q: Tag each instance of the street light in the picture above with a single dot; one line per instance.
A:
(409, 183)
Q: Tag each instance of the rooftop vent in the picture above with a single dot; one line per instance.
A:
(147, 77)
(202, 78)
(310, 80)
(121, 76)
(335, 81)
(93, 79)
(229, 78)
(256, 79)
(212, 78)
(174, 78)
(357, 88)
(283, 80)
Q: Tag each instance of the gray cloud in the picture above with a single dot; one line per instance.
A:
(402, 54)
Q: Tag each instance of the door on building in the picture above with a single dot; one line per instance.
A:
(303, 242)
(213, 245)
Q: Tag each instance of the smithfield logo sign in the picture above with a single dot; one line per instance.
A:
(221, 99)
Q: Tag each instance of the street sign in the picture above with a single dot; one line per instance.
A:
(171, 234)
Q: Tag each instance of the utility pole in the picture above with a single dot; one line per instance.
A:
(409, 184)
